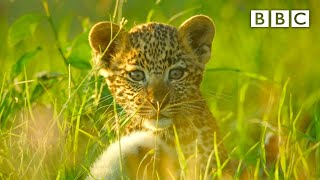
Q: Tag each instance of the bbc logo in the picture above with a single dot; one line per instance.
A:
(280, 18)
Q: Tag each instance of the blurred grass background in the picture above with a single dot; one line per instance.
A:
(259, 80)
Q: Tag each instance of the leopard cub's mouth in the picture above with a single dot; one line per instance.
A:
(158, 124)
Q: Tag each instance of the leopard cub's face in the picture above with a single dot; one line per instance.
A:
(154, 71)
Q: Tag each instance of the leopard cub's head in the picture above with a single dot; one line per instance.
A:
(154, 70)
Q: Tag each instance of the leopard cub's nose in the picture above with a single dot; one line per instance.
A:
(158, 105)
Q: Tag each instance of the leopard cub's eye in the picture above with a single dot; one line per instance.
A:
(176, 74)
(137, 75)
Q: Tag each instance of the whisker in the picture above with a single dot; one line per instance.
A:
(95, 103)
(106, 97)
(94, 81)
(102, 107)
(185, 102)
(217, 95)
(188, 119)
(192, 106)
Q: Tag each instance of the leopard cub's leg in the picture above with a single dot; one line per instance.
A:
(143, 155)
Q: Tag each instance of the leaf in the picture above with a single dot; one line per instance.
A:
(46, 80)
(79, 63)
(37, 92)
(44, 76)
(22, 61)
(23, 28)
(80, 54)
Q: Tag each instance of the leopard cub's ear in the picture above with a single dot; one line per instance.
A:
(104, 39)
(198, 32)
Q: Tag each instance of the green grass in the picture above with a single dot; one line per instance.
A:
(57, 115)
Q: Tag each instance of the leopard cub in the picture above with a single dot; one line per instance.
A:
(154, 72)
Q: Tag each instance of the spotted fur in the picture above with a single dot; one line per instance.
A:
(160, 102)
